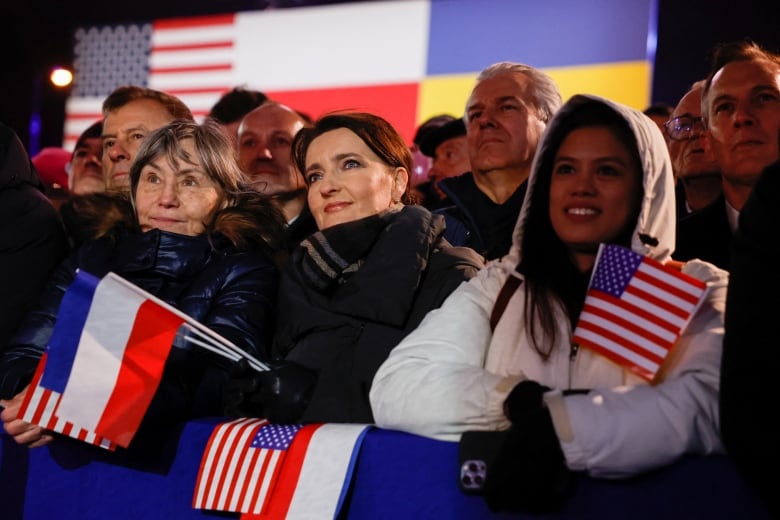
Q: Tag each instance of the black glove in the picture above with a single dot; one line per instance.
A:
(525, 397)
(529, 473)
(280, 394)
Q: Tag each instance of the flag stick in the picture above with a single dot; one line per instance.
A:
(194, 324)
(229, 354)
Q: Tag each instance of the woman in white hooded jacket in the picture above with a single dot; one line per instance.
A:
(571, 409)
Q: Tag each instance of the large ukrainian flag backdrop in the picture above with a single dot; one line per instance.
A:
(405, 60)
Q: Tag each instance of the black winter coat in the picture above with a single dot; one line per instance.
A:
(229, 291)
(706, 235)
(475, 221)
(748, 399)
(344, 335)
(32, 238)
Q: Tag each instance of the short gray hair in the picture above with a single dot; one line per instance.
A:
(546, 98)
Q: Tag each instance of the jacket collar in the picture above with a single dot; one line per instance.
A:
(390, 273)
(164, 252)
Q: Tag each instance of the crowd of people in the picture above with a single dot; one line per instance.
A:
(439, 308)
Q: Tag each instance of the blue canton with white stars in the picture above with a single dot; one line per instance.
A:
(275, 436)
(107, 57)
(616, 267)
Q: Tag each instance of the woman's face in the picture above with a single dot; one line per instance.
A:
(347, 180)
(594, 192)
(180, 198)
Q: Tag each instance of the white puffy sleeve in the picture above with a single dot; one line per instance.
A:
(433, 383)
(616, 432)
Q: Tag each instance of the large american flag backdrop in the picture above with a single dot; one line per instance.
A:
(405, 60)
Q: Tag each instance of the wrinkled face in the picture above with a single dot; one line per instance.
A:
(264, 140)
(86, 169)
(743, 106)
(181, 198)
(124, 130)
(595, 192)
(690, 157)
(502, 126)
(347, 180)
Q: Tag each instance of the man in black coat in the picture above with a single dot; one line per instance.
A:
(506, 114)
(32, 238)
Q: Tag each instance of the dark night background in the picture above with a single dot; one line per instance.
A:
(36, 34)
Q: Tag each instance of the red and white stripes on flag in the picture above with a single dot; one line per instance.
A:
(235, 475)
(192, 58)
(635, 309)
(269, 471)
(107, 354)
(39, 407)
(316, 473)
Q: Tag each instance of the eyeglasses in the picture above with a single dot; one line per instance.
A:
(684, 128)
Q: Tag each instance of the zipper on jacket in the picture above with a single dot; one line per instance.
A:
(572, 356)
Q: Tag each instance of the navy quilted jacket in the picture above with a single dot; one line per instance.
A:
(232, 292)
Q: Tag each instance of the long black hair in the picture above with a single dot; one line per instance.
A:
(551, 278)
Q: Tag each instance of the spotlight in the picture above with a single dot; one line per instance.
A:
(60, 77)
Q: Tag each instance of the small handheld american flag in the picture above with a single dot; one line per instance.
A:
(635, 309)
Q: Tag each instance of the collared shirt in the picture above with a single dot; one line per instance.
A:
(733, 215)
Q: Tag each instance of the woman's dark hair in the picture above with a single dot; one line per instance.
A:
(378, 134)
(550, 276)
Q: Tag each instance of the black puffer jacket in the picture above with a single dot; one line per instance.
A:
(346, 333)
(32, 238)
(229, 291)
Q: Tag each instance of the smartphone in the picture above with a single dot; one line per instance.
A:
(476, 452)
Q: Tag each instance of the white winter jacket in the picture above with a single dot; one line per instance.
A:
(452, 374)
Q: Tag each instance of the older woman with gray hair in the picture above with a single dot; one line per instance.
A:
(193, 236)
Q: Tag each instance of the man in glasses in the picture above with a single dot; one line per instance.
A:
(741, 107)
(697, 174)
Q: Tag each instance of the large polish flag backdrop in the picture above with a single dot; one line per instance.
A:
(405, 60)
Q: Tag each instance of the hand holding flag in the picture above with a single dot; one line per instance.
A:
(39, 407)
(635, 309)
(19, 429)
(106, 357)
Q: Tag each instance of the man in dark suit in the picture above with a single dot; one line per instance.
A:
(741, 106)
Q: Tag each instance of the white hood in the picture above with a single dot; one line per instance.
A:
(657, 215)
